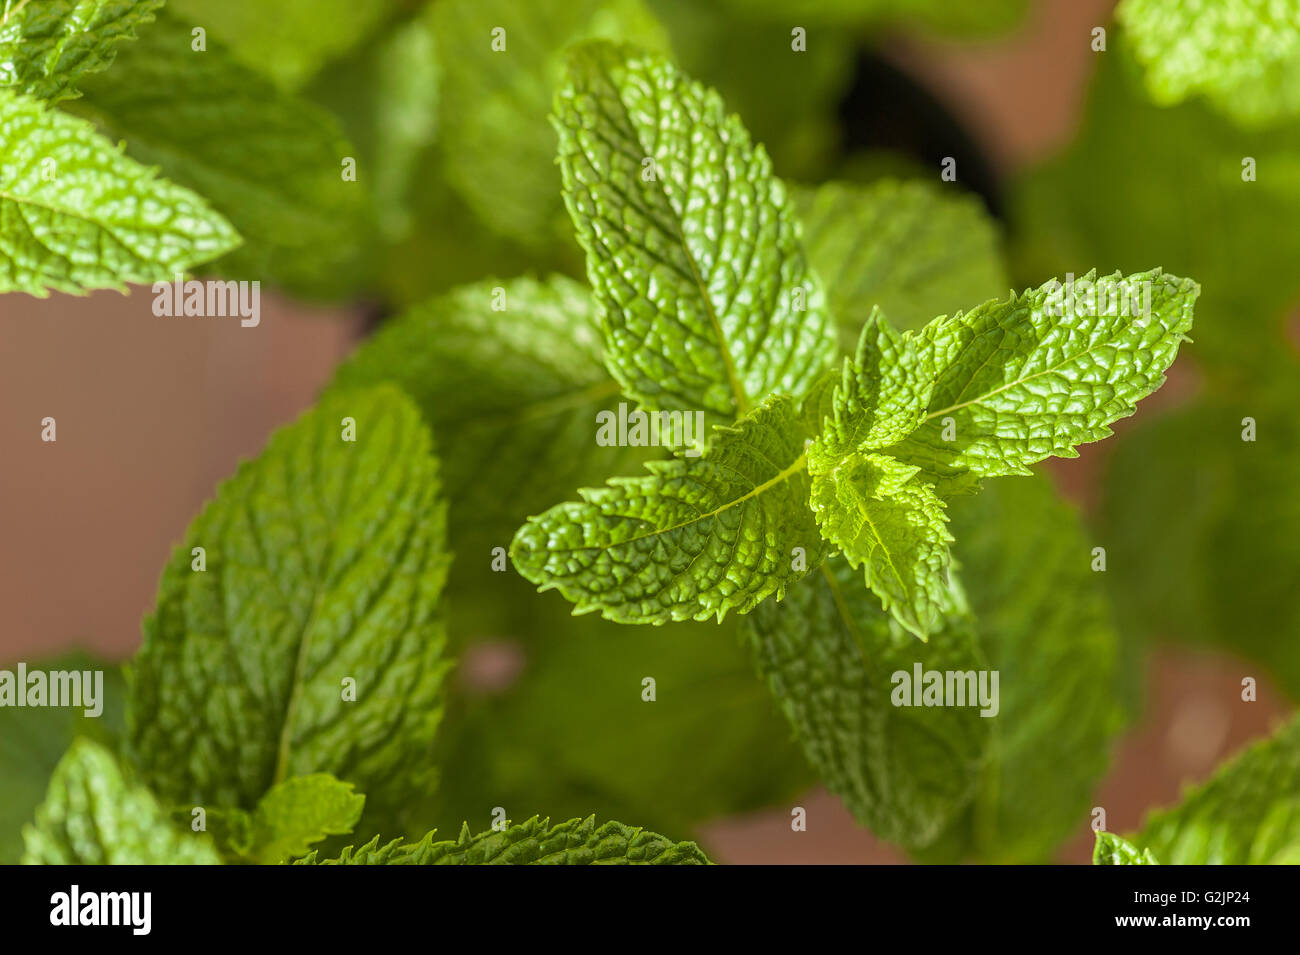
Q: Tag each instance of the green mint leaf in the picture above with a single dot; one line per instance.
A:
(1045, 625)
(76, 214)
(692, 244)
(606, 750)
(1111, 849)
(1250, 285)
(695, 538)
(913, 249)
(512, 393)
(535, 842)
(312, 640)
(94, 815)
(1246, 814)
(300, 811)
(34, 738)
(499, 149)
(829, 657)
(269, 161)
(1017, 384)
(291, 41)
(1243, 54)
(892, 526)
(881, 397)
(47, 46)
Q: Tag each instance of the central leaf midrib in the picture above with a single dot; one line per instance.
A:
(880, 541)
(1109, 340)
(742, 400)
(783, 475)
(305, 634)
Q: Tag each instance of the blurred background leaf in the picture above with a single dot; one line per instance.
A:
(910, 248)
(1203, 529)
(546, 714)
(292, 43)
(511, 394)
(386, 95)
(1045, 625)
(1243, 55)
(269, 161)
(34, 739)
(499, 148)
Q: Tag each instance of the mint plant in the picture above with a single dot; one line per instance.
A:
(864, 380)
(1012, 381)
(858, 461)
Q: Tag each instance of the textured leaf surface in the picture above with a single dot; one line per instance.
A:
(512, 395)
(892, 526)
(1045, 625)
(697, 537)
(300, 811)
(324, 562)
(76, 214)
(1186, 207)
(93, 815)
(828, 655)
(1248, 813)
(33, 740)
(535, 842)
(46, 46)
(692, 244)
(910, 248)
(269, 161)
(1243, 54)
(1020, 384)
(291, 40)
(1116, 850)
(1204, 527)
(881, 396)
(499, 147)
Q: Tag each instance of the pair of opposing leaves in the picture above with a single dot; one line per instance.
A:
(913, 420)
(710, 305)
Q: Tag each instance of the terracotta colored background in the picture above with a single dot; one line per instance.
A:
(152, 413)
